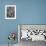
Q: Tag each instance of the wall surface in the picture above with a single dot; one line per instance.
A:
(27, 12)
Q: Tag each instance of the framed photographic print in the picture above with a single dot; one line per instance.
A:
(10, 11)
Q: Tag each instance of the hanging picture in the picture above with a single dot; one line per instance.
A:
(10, 11)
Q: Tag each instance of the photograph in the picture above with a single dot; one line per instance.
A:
(10, 11)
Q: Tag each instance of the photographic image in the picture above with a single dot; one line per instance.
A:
(10, 11)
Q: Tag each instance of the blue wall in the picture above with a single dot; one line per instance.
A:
(27, 12)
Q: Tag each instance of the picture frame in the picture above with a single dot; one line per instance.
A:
(10, 11)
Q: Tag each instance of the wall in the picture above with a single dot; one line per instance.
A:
(27, 12)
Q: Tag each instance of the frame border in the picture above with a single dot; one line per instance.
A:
(6, 11)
